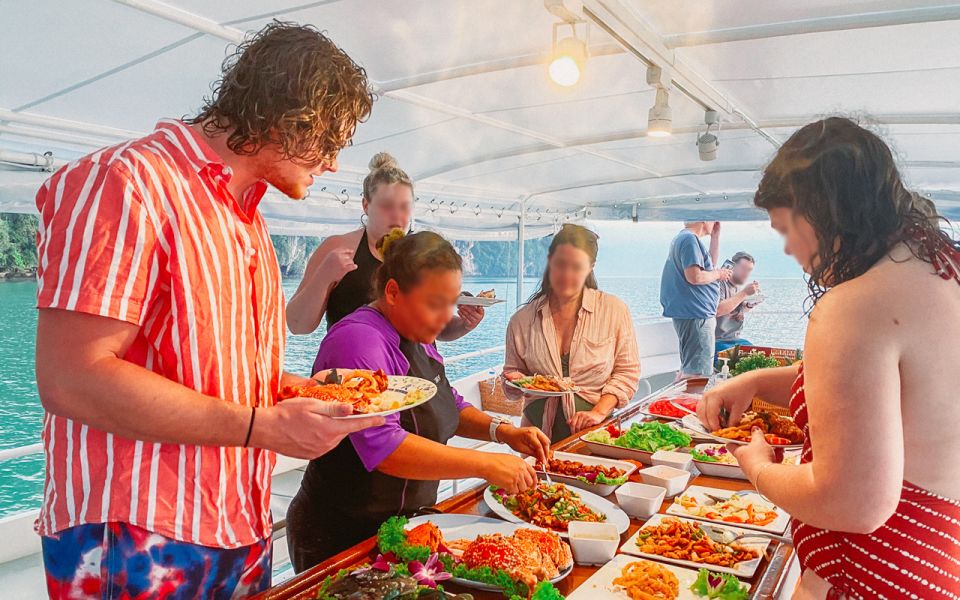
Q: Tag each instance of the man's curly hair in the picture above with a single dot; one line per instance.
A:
(288, 85)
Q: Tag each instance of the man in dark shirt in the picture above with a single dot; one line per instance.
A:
(737, 297)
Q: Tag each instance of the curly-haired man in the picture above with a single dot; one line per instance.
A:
(160, 337)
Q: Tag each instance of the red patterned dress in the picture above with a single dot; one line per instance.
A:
(915, 554)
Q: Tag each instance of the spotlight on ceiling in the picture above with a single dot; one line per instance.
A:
(660, 117)
(708, 143)
(568, 60)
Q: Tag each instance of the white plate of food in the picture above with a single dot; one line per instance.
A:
(664, 408)
(616, 579)
(637, 440)
(602, 476)
(369, 392)
(745, 509)
(574, 505)
(780, 432)
(664, 534)
(485, 299)
(542, 385)
(715, 460)
(479, 541)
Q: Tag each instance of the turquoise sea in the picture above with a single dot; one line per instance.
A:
(778, 321)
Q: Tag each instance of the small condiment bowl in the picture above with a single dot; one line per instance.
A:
(640, 500)
(670, 458)
(671, 479)
(593, 543)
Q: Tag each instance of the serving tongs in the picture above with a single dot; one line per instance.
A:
(726, 538)
(724, 413)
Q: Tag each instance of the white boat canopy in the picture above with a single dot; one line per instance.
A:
(467, 107)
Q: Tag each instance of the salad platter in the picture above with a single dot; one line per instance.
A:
(716, 461)
(602, 476)
(635, 440)
(553, 507)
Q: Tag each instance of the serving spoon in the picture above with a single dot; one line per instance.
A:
(727, 537)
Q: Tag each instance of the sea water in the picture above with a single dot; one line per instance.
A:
(779, 321)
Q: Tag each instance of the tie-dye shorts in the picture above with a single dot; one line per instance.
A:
(125, 562)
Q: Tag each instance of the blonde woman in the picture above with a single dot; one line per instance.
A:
(339, 276)
(570, 328)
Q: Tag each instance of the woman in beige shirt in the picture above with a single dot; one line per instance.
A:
(569, 328)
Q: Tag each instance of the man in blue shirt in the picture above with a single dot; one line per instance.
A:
(690, 293)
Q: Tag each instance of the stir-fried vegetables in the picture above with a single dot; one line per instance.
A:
(548, 506)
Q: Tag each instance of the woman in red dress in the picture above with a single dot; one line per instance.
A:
(875, 498)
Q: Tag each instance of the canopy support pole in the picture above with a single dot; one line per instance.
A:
(521, 238)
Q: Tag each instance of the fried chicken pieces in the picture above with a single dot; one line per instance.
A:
(768, 422)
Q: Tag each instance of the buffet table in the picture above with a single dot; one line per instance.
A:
(766, 584)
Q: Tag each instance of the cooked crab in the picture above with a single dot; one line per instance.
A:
(528, 556)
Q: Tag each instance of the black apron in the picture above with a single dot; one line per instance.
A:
(341, 504)
(356, 287)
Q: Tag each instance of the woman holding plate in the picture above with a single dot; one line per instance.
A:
(396, 468)
(876, 498)
(340, 274)
(569, 328)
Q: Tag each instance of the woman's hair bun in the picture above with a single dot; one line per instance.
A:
(382, 160)
(384, 244)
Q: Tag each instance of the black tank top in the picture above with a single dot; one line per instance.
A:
(356, 287)
(341, 487)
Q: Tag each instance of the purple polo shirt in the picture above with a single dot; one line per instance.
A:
(365, 339)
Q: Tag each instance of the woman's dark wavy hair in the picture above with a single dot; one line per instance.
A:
(288, 85)
(844, 180)
(578, 237)
(407, 256)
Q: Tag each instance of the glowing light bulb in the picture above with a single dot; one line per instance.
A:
(568, 61)
(564, 71)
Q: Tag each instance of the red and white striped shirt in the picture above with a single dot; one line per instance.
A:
(148, 233)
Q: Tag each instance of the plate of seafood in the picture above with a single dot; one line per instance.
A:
(368, 392)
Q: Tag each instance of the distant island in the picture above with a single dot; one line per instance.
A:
(18, 246)
(18, 252)
(487, 259)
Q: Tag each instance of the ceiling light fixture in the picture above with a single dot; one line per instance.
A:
(708, 143)
(568, 59)
(660, 117)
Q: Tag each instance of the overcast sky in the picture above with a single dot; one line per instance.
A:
(628, 248)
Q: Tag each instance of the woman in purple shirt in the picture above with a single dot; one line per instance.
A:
(395, 469)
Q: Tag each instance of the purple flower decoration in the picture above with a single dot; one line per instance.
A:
(384, 561)
(429, 574)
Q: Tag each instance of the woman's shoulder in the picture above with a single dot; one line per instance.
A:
(351, 239)
(609, 302)
(525, 313)
(362, 339)
(364, 322)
